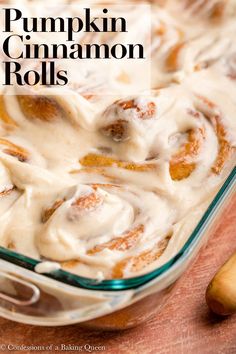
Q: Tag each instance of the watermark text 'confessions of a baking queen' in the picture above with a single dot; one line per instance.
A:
(86, 348)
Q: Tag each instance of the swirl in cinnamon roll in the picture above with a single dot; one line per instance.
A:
(39, 107)
(131, 124)
(9, 195)
(211, 9)
(20, 150)
(102, 224)
(4, 116)
(215, 116)
(8, 191)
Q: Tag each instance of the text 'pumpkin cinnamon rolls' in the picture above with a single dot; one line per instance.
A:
(101, 224)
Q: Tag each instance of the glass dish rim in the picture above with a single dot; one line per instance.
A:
(133, 282)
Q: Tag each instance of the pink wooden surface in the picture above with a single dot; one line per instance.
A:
(184, 326)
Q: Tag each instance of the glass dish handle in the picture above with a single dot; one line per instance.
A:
(17, 291)
(32, 298)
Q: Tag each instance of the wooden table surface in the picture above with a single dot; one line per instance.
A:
(184, 326)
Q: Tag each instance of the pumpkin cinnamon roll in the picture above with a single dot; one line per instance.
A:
(131, 124)
(211, 133)
(101, 224)
(226, 148)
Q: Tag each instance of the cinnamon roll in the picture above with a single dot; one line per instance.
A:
(101, 224)
(131, 124)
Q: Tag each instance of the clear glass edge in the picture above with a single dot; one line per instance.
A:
(134, 282)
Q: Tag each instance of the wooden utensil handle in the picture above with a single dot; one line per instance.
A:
(221, 292)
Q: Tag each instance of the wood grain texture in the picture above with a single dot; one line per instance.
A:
(184, 326)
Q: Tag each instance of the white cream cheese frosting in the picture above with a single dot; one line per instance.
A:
(112, 186)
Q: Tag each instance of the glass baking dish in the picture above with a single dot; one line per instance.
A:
(62, 298)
